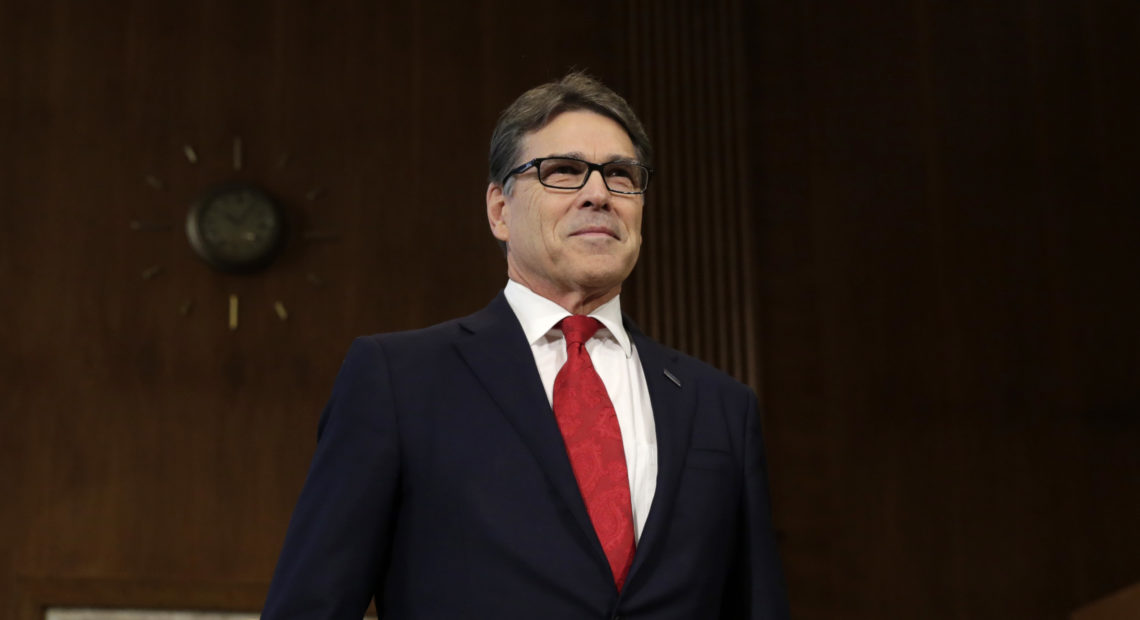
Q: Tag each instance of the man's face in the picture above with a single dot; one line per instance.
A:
(564, 242)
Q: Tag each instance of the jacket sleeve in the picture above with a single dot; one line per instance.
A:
(336, 548)
(756, 588)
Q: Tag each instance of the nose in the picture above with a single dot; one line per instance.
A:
(595, 193)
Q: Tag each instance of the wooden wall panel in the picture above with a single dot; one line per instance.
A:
(145, 451)
(947, 260)
(925, 212)
(696, 284)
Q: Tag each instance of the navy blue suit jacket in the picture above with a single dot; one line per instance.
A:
(441, 486)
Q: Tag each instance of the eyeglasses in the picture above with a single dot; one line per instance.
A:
(620, 177)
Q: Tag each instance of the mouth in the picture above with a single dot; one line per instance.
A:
(595, 231)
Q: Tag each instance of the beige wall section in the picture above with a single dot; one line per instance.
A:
(135, 614)
(146, 614)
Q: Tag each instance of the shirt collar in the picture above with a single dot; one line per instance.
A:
(538, 315)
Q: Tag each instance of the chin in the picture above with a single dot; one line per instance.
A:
(592, 269)
(601, 277)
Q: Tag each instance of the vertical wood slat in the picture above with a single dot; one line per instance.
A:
(695, 289)
(131, 427)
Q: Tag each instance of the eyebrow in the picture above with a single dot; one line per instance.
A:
(612, 158)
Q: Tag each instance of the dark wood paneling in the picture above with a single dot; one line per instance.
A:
(948, 268)
(144, 447)
(695, 288)
(938, 200)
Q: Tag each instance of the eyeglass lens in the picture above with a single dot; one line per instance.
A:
(571, 174)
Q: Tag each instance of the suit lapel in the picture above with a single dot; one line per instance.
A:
(498, 354)
(673, 397)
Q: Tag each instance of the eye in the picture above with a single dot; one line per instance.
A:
(624, 177)
(564, 166)
(566, 173)
(623, 171)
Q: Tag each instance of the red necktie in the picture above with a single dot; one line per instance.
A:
(593, 441)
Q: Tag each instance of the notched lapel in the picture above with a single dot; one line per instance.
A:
(498, 354)
(673, 397)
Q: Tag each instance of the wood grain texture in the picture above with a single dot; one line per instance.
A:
(925, 212)
(948, 243)
(144, 447)
(1122, 605)
(695, 287)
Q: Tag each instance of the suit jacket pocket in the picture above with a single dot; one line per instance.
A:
(713, 460)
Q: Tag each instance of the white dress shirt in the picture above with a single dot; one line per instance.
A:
(615, 359)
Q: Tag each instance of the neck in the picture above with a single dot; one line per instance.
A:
(582, 301)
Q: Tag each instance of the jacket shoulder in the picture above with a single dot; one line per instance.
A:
(704, 373)
(427, 344)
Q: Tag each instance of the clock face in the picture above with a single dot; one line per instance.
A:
(236, 228)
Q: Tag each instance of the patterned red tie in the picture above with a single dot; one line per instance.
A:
(593, 441)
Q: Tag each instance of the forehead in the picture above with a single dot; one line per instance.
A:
(582, 132)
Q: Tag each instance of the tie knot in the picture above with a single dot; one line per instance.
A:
(579, 328)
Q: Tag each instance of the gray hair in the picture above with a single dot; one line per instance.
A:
(539, 105)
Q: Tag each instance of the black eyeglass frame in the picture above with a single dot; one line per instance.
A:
(590, 168)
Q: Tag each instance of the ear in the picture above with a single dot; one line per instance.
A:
(497, 211)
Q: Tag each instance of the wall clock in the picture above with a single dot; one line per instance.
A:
(236, 227)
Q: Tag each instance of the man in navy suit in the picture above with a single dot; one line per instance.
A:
(479, 469)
